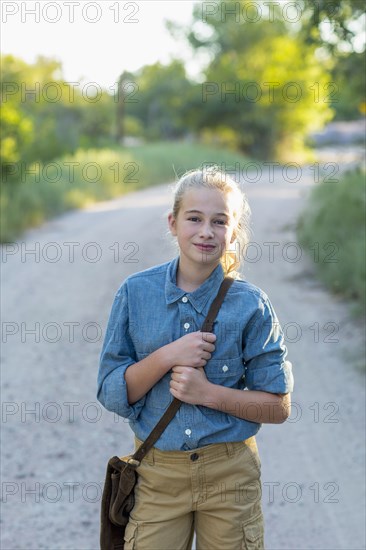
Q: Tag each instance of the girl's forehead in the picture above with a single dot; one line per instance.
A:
(205, 200)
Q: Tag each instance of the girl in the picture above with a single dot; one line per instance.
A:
(204, 472)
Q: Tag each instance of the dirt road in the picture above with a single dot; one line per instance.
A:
(56, 438)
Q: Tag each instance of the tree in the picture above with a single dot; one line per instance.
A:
(15, 135)
(263, 84)
(44, 117)
(350, 78)
(338, 28)
(158, 98)
(334, 25)
(16, 129)
(126, 84)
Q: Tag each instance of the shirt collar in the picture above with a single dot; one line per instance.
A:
(199, 297)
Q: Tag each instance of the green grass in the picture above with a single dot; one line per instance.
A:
(115, 171)
(334, 219)
(57, 187)
(165, 162)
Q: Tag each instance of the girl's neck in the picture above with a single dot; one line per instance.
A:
(191, 277)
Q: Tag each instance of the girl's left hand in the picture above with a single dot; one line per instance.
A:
(189, 384)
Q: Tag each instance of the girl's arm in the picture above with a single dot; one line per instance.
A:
(123, 381)
(256, 406)
(191, 349)
(268, 375)
(191, 386)
(142, 376)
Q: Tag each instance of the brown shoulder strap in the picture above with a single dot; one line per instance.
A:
(176, 403)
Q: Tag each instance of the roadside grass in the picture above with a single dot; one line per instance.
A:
(94, 175)
(164, 162)
(334, 219)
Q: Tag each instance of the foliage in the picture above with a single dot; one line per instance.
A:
(70, 182)
(160, 100)
(338, 28)
(263, 84)
(335, 219)
(98, 174)
(16, 133)
(350, 79)
(334, 25)
(16, 129)
(166, 161)
(44, 116)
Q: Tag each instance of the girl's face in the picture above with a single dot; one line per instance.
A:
(204, 226)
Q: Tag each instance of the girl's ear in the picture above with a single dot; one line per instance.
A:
(172, 224)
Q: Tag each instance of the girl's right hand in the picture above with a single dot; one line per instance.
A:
(193, 349)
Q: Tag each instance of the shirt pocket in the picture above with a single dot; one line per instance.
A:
(148, 335)
(226, 372)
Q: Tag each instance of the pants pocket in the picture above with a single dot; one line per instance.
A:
(252, 449)
(130, 535)
(253, 533)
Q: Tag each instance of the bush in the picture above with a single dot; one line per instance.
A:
(98, 174)
(93, 175)
(336, 214)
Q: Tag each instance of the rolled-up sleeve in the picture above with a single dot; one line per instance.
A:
(117, 355)
(264, 355)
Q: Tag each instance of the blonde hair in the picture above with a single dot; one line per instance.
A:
(214, 178)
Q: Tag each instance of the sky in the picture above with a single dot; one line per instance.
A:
(96, 41)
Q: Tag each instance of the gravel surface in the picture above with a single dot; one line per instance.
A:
(56, 436)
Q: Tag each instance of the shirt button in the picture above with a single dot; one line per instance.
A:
(185, 299)
(225, 368)
(186, 326)
(188, 432)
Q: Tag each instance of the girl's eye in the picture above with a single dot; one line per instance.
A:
(195, 218)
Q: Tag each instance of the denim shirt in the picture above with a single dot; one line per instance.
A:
(150, 311)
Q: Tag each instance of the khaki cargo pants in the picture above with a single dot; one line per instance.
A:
(214, 491)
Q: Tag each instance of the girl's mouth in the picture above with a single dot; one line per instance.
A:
(205, 247)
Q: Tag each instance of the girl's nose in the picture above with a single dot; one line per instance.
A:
(206, 231)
